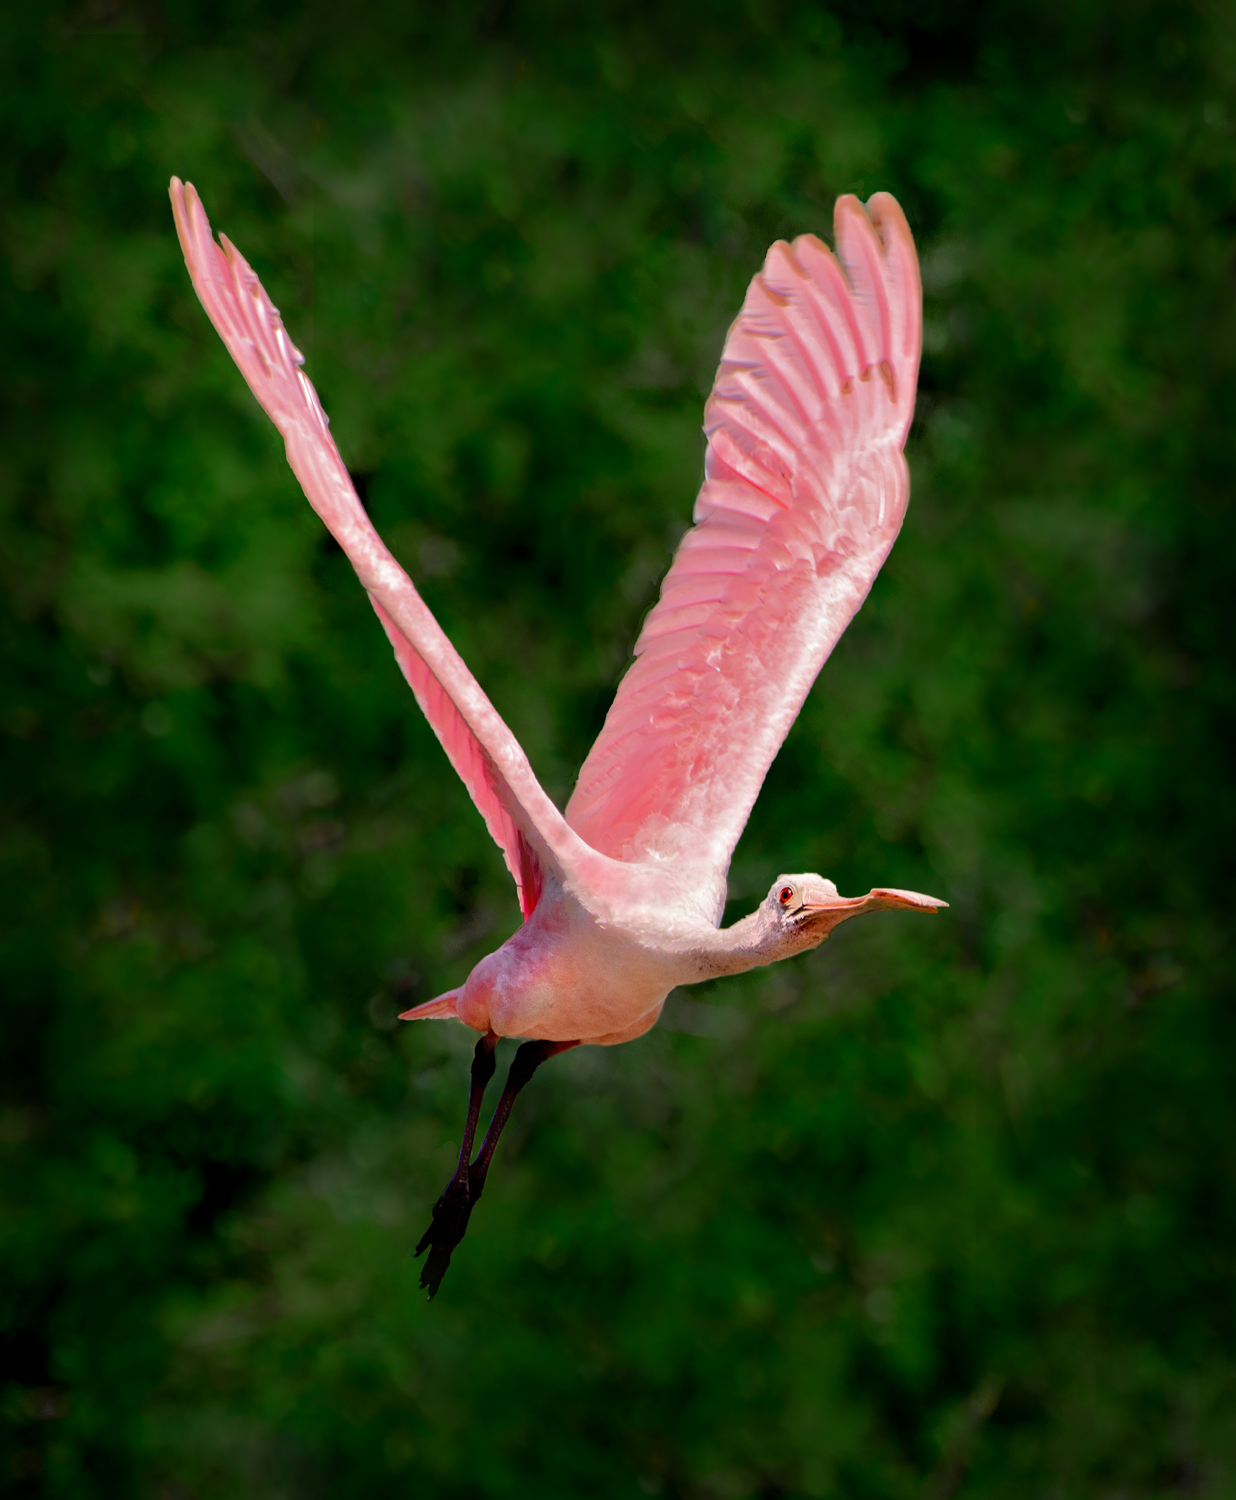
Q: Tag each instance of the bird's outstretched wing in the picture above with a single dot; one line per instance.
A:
(804, 492)
(525, 824)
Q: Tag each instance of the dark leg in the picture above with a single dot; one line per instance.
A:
(454, 1208)
(524, 1064)
(450, 1212)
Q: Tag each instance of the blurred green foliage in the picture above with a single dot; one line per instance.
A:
(947, 1207)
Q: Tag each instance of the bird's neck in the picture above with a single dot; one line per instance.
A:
(750, 943)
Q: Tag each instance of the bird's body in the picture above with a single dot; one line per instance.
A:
(804, 492)
(599, 971)
(571, 973)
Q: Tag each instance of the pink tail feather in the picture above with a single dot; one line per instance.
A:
(441, 1009)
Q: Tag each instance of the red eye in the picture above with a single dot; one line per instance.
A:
(785, 895)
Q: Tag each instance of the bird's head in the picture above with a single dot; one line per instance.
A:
(801, 910)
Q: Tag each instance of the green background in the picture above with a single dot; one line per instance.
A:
(947, 1207)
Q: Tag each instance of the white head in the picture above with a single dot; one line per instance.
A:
(800, 911)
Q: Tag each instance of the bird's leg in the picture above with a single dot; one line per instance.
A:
(454, 1208)
(450, 1212)
(524, 1064)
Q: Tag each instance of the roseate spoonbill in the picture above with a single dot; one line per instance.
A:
(804, 492)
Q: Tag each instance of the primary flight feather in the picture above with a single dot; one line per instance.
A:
(804, 493)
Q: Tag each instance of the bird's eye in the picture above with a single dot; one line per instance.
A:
(785, 895)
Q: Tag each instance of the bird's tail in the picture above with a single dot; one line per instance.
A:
(441, 1009)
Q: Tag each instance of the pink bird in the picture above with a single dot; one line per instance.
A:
(804, 492)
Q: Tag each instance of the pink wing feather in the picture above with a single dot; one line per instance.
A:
(525, 824)
(804, 492)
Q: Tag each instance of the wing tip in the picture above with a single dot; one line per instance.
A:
(186, 206)
(177, 191)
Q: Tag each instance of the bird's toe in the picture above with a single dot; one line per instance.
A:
(448, 1226)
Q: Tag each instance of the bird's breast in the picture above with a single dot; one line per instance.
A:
(565, 976)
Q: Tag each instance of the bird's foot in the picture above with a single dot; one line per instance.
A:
(450, 1222)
